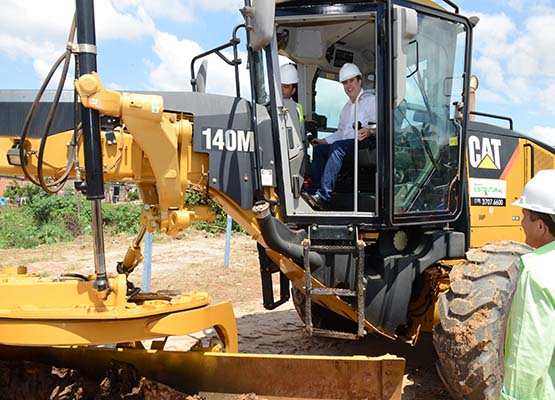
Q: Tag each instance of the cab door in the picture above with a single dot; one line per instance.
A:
(425, 170)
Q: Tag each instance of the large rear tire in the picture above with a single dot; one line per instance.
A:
(470, 338)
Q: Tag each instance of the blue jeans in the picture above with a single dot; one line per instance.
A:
(326, 164)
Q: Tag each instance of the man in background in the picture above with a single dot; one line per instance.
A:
(530, 341)
(289, 82)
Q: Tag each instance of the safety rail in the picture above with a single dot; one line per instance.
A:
(494, 116)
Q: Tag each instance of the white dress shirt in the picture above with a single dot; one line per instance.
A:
(366, 115)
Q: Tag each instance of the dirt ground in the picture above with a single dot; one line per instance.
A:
(195, 261)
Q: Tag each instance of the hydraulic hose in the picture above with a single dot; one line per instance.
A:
(57, 184)
(282, 239)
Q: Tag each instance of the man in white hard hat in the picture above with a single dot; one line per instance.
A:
(331, 152)
(530, 341)
(289, 82)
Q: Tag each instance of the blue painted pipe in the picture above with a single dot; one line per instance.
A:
(147, 262)
(227, 241)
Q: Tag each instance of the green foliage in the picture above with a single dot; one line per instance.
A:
(47, 208)
(46, 218)
(133, 196)
(14, 191)
(122, 217)
(53, 233)
(219, 225)
(17, 228)
(49, 218)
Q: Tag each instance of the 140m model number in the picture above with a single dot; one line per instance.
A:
(228, 139)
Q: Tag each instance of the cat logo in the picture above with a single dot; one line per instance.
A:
(484, 153)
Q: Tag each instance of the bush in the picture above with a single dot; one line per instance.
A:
(53, 233)
(219, 225)
(123, 217)
(17, 228)
(49, 218)
(133, 196)
(47, 208)
(14, 191)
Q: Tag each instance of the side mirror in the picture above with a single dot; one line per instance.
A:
(201, 77)
(259, 18)
(405, 28)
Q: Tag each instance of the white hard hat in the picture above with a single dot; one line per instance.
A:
(348, 71)
(538, 194)
(288, 74)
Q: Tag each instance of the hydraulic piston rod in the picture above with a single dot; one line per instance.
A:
(86, 40)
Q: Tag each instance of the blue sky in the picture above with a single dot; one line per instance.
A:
(148, 44)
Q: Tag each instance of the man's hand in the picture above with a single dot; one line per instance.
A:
(317, 141)
(364, 133)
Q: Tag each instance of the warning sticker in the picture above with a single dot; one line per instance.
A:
(488, 192)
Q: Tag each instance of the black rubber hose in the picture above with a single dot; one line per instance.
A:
(40, 181)
(282, 239)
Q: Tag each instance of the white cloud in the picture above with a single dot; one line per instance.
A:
(492, 34)
(33, 19)
(491, 52)
(544, 133)
(16, 47)
(178, 10)
(172, 9)
(490, 72)
(37, 31)
(113, 24)
(40, 22)
(515, 63)
(486, 95)
(533, 51)
(172, 72)
(223, 5)
(517, 5)
(545, 97)
(535, 6)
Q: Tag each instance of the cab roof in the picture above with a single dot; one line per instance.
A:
(296, 3)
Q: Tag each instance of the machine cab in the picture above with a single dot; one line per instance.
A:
(414, 60)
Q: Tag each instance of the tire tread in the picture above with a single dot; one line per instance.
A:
(469, 340)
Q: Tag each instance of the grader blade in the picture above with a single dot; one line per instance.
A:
(213, 375)
(38, 312)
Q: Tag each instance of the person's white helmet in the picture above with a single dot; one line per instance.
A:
(538, 194)
(348, 71)
(288, 74)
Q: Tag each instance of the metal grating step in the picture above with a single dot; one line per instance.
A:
(334, 334)
(333, 249)
(333, 292)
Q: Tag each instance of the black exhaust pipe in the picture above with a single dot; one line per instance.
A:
(282, 239)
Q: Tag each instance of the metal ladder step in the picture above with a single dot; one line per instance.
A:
(334, 334)
(333, 292)
(358, 251)
(333, 249)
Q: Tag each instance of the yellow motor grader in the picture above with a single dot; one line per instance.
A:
(394, 252)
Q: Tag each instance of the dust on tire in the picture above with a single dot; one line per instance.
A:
(473, 314)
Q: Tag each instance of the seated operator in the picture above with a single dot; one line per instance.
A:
(331, 152)
(289, 81)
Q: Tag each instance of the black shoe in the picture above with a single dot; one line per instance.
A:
(315, 201)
